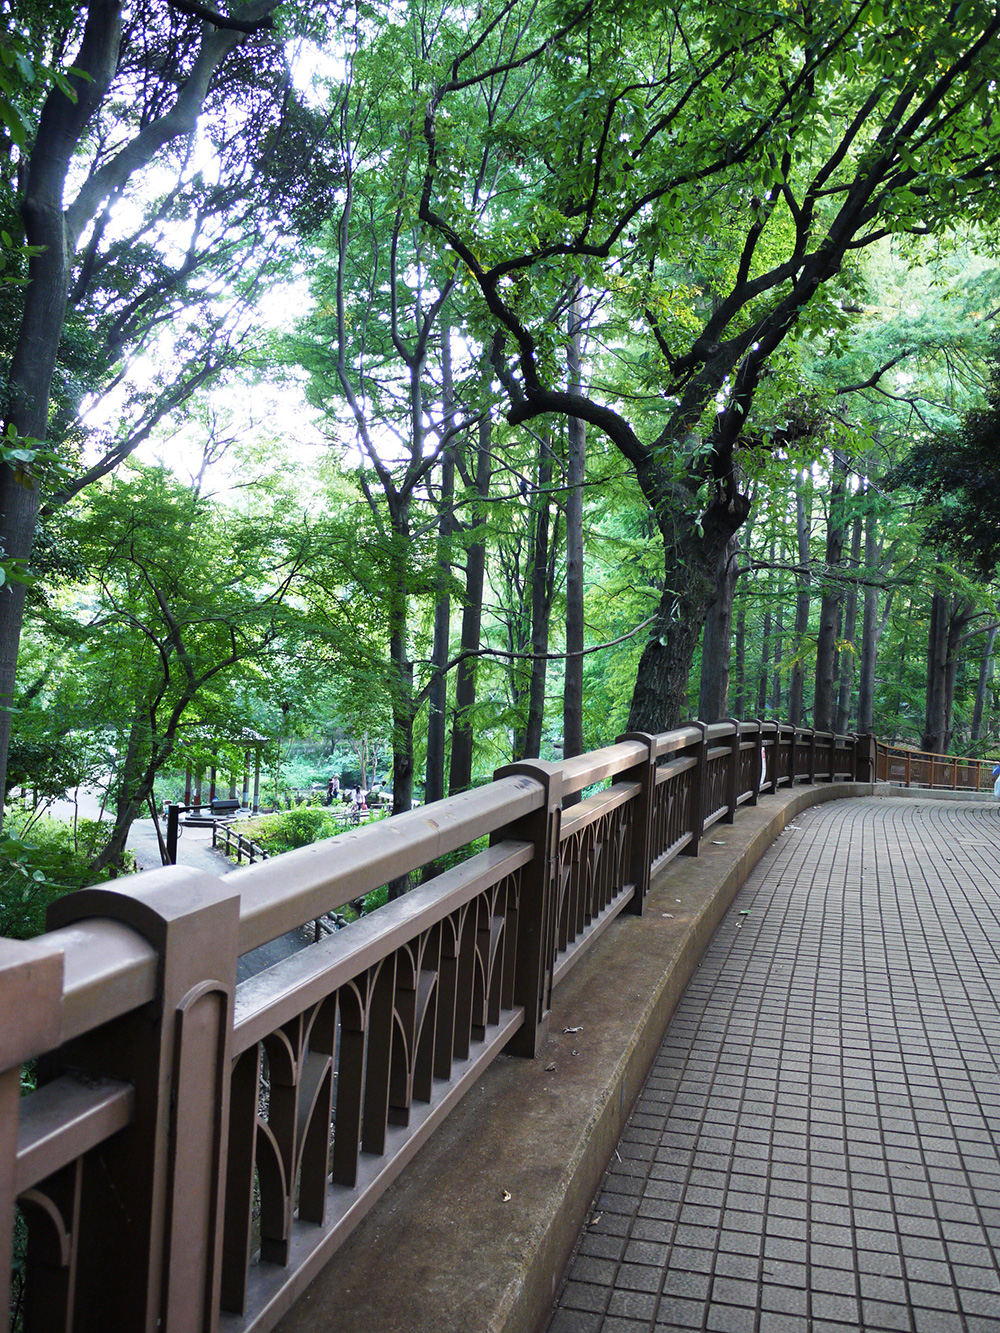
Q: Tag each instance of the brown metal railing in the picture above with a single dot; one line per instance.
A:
(237, 842)
(915, 768)
(196, 1149)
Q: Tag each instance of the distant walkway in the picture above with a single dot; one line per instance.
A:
(818, 1144)
(194, 846)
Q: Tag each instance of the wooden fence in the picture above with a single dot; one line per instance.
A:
(196, 1149)
(915, 768)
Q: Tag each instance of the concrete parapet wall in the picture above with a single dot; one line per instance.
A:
(475, 1235)
(931, 793)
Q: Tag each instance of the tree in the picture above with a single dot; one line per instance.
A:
(143, 79)
(180, 592)
(744, 153)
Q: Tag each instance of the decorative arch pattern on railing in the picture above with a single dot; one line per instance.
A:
(244, 1129)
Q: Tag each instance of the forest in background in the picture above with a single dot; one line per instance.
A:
(423, 387)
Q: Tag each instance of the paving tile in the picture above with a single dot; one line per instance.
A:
(818, 1147)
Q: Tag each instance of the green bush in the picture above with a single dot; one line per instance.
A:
(287, 829)
(46, 861)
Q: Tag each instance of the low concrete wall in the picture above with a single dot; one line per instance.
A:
(475, 1235)
(932, 793)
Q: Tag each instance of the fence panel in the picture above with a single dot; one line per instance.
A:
(243, 1130)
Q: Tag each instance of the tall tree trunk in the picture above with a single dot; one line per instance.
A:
(932, 739)
(830, 605)
(779, 634)
(576, 445)
(691, 558)
(869, 627)
(985, 676)
(460, 776)
(542, 572)
(950, 613)
(437, 695)
(766, 643)
(961, 610)
(848, 654)
(713, 693)
(803, 598)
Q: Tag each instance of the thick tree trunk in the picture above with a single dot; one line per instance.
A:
(576, 442)
(961, 614)
(949, 616)
(460, 776)
(830, 605)
(803, 598)
(713, 694)
(692, 552)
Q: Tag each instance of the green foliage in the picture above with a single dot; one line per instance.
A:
(298, 827)
(47, 860)
(959, 474)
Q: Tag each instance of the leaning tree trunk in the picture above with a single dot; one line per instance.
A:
(713, 694)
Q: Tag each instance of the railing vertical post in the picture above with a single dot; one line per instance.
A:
(642, 818)
(31, 983)
(812, 755)
(733, 773)
(760, 766)
(536, 923)
(173, 818)
(908, 768)
(151, 1233)
(865, 759)
(699, 787)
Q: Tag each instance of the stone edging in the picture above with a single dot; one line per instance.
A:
(475, 1235)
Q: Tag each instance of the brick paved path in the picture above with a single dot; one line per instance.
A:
(818, 1145)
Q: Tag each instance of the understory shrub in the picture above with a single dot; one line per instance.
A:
(40, 862)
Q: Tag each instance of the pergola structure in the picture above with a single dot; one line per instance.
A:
(251, 743)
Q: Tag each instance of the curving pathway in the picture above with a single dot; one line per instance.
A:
(817, 1147)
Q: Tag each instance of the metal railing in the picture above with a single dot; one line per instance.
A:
(232, 841)
(916, 768)
(196, 1149)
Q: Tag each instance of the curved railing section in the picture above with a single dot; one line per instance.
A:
(197, 1147)
(915, 768)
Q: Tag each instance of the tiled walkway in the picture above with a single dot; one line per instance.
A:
(818, 1144)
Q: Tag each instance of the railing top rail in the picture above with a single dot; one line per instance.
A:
(325, 875)
(107, 969)
(715, 731)
(669, 742)
(584, 769)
